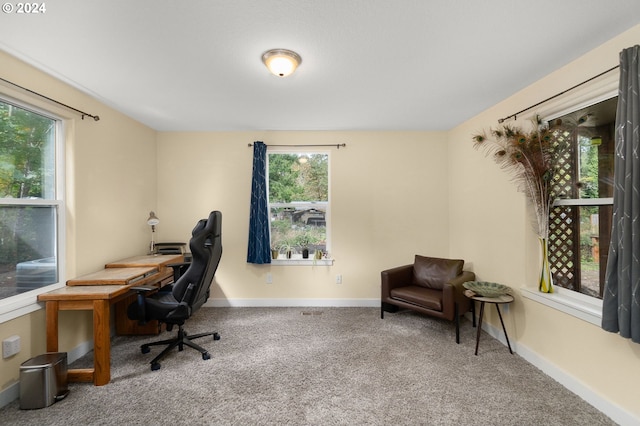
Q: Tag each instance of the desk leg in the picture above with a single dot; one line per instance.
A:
(479, 326)
(504, 329)
(51, 312)
(101, 343)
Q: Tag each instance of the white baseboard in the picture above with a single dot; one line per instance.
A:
(12, 392)
(614, 411)
(79, 351)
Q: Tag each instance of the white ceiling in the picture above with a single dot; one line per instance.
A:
(366, 64)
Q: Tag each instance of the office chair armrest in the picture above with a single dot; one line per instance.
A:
(144, 288)
(140, 299)
(178, 269)
(173, 265)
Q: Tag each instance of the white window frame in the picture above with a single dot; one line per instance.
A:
(328, 260)
(24, 303)
(582, 306)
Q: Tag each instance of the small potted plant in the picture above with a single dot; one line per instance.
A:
(287, 248)
(304, 243)
(275, 250)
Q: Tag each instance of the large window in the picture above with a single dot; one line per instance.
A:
(299, 204)
(30, 199)
(580, 221)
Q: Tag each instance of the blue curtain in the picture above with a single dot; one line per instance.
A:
(621, 298)
(259, 250)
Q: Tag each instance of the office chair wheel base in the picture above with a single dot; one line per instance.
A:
(155, 366)
(145, 349)
(216, 336)
(206, 356)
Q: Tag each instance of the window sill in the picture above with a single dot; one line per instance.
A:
(570, 302)
(302, 262)
(23, 304)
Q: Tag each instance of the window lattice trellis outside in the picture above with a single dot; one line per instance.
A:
(564, 238)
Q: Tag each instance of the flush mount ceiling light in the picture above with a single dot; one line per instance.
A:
(281, 62)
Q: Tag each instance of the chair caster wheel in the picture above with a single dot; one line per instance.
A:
(145, 349)
(206, 356)
(216, 336)
(155, 366)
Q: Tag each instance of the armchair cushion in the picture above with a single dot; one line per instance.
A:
(434, 273)
(421, 296)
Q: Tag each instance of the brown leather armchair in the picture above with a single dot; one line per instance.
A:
(431, 286)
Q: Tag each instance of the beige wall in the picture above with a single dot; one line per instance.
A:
(490, 227)
(111, 173)
(389, 201)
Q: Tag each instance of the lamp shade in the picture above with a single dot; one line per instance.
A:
(281, 62)
(153, 219)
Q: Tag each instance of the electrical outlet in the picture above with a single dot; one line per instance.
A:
(269, 278)
(10, 346)
(339, 279)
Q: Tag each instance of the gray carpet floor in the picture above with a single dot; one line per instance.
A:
(318, 366)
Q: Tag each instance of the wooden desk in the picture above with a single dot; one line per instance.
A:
(115, 276)
(111, 285)
(96, 292)
(157, 260)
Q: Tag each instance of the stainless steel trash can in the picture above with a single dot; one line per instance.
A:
(43, 380)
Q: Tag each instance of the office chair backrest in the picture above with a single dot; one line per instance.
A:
(206, 250)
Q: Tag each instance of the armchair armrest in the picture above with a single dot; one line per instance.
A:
(459, 280)
(453, 292)
(396, 277)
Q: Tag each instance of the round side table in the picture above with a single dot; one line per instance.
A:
(496, 301)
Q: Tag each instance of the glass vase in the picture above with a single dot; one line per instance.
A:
(546, 279)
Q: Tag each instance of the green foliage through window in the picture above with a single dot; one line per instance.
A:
(26, 153)
(298, 200)
(28, 200)
(298, 177)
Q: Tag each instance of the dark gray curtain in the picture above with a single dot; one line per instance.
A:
(621, 299)
(259, 250)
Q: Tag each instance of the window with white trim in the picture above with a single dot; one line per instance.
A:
(31, 198)
(580, 220)
(299, 205)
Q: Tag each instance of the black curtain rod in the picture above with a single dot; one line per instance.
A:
(515, 115)
(305, 146)
(95, 117)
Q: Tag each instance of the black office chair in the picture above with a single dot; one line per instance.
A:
(190, 291)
